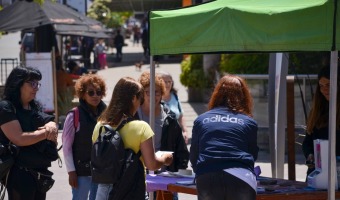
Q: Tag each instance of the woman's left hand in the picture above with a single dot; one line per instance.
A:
(51, 127)
(52, 132)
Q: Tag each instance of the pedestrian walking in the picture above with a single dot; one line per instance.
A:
(119, 43)
(100, 51)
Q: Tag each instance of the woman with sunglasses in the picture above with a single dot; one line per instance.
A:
(137, 135)
(77, 134)
(23, 124)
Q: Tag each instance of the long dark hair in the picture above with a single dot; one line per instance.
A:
(318, 115)
(14, 82)
(121, 101)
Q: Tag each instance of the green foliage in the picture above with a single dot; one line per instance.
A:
(299, 63)
(117, 19)
(101, 12)
(244, 63)
(307, 62)
(192, 72)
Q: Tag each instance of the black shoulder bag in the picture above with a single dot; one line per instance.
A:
(8, 153)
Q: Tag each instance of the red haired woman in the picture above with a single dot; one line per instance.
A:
(224, 143)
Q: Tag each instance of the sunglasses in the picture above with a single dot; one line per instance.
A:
(92, 92)
(34, 84)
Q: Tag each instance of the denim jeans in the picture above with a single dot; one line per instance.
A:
(103, 191)
(85, 186)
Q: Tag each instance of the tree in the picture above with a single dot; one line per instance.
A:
(101, 12)
(117, 19)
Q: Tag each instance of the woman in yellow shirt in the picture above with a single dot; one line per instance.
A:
(127, 96)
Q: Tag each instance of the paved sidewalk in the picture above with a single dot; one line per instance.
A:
(61, 190)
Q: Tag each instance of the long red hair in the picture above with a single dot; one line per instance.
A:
(232, 92)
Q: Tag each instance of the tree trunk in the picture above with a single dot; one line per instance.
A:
(210, 67)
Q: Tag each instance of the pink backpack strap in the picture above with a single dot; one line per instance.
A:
(75, 117)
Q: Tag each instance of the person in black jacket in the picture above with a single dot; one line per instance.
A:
(317, 122)
(170, 98)
(119, 43)
(23, 123)
(168, 132)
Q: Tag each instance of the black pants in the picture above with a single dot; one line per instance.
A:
(119, 53)
(21, 185)
(222, 185)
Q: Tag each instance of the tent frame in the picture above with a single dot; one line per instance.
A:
(322, 36)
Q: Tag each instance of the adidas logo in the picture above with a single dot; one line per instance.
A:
(220, 118)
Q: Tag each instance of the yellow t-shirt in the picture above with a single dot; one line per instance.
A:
(133, 134)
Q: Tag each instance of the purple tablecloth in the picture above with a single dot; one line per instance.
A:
(154, 182)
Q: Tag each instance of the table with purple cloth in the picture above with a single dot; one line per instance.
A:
(156, 182)
(267, 189)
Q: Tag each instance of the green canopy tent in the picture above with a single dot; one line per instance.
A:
(245, 26)
(253, 26)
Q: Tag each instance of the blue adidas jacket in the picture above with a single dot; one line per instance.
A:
(221, 140)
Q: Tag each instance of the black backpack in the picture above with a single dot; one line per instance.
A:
(111, 163)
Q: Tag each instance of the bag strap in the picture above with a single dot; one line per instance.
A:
(75, 111)
(109, 128)
(178, 105)
(4, 187)
(122, 124)
(139, 154)
(75, 117)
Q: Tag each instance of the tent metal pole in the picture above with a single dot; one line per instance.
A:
(152, 94)
(332, 125)
(277, 125)
(271, 111)
(280, 110)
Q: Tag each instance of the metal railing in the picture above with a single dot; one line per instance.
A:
(304, 85)
(6, 66)
(304, 88)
